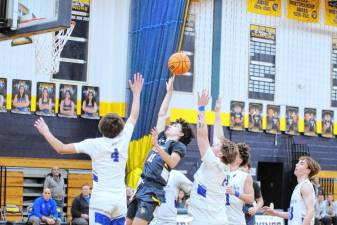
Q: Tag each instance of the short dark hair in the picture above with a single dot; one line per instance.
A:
(111, 125)
(244, 150)
(229, 150)
(186, 130)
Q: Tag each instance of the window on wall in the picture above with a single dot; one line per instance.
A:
(262, 54)
(74, 57)
(334, 73)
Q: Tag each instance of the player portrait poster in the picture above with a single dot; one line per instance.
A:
(90, 102)
(21, 96)
(330, 12)
(3, 94)
(45, 101)
(273, 119)
(327, 123)
(67, 101)
(292, 120)
(237, 117)
(255, 117)
(303, 10)
(267, 7)
(310, 127)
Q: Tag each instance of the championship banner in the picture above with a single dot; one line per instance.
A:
(330, 13)
(266, 7)
(303, 10)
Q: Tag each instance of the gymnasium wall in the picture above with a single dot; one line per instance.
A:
(108, 44)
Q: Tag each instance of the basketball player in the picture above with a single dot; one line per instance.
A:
(239, 184)
(208, 192)
(169, 147)
(109, 155)
(302, 210)
(166, 214)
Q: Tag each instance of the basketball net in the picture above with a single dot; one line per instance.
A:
(48, 48)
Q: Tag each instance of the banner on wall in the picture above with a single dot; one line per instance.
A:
(292, 120)
(255, 117)
(330, 13)
(273, 119)
(327, 123)
(21, 96)
(237, 119)
(310, 127)
(266, 7)
(45, 104)
(67, 101)
(3, 94)
(90, 102)
(303, 10)
(262, 62)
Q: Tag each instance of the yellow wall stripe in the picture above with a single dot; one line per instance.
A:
(115, 107)
(246, 121)
(335, 128)
(301, 125)
(9, 101)
(33, 104)
(319, 126)
(283, 124)
(264, 122)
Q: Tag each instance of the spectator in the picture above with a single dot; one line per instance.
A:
(55, 182)
(330, 209)
(251, 209)
(44, 210)
(317, 187)
(80, 207)
(180, 200)
(320, 211)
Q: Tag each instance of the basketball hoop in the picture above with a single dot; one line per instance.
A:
(48, 48)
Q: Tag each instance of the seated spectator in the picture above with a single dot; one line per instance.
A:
(44, 210)
(317, 186)
(330, 209)
(80, 207)
(180, 200)
(320, 211)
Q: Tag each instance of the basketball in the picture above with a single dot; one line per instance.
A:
(179, 63)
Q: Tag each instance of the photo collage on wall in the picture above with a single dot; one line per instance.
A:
(21, 96)
(90, 102)
(68, 101)
(45, 101)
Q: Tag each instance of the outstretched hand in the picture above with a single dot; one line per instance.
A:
(41, 126)
(267, 210)
(169, 84)
(137, 85)
(203, 99)
(155, 134)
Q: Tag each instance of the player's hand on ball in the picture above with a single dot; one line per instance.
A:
(229, 190)
(169, 84)
(217, 107)
(137, 85)
(203, 99)
(41, 126)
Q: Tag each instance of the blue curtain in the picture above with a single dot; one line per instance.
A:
(154, 35)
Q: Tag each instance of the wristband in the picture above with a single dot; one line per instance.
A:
(201, 108)
(237, 194)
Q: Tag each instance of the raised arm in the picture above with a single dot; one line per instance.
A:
(161, 121)
(218, 130)
(136, 88)
(57, 145)
(171, 160)
(202, 132)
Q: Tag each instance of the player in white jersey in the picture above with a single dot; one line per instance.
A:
(166, 213)
(109, 155)
(208, 192)
(302, 210)
(239, 184)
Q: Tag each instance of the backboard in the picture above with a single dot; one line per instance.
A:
(22, 18)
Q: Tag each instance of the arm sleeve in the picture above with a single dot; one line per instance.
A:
(179, 148)
(86, 146)
(75, 212)
(54, 209)
(37, 209)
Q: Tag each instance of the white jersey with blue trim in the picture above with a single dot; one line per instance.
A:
(234, 205)
(207, 201)
(298, 210)
(109, 156)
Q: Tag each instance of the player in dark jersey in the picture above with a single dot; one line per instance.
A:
(169, 147)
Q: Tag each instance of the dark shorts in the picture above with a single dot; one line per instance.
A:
(141, 209)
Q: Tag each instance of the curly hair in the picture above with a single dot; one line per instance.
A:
(186, 130)
(229, 150)
(111, 125)
(244, 151)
